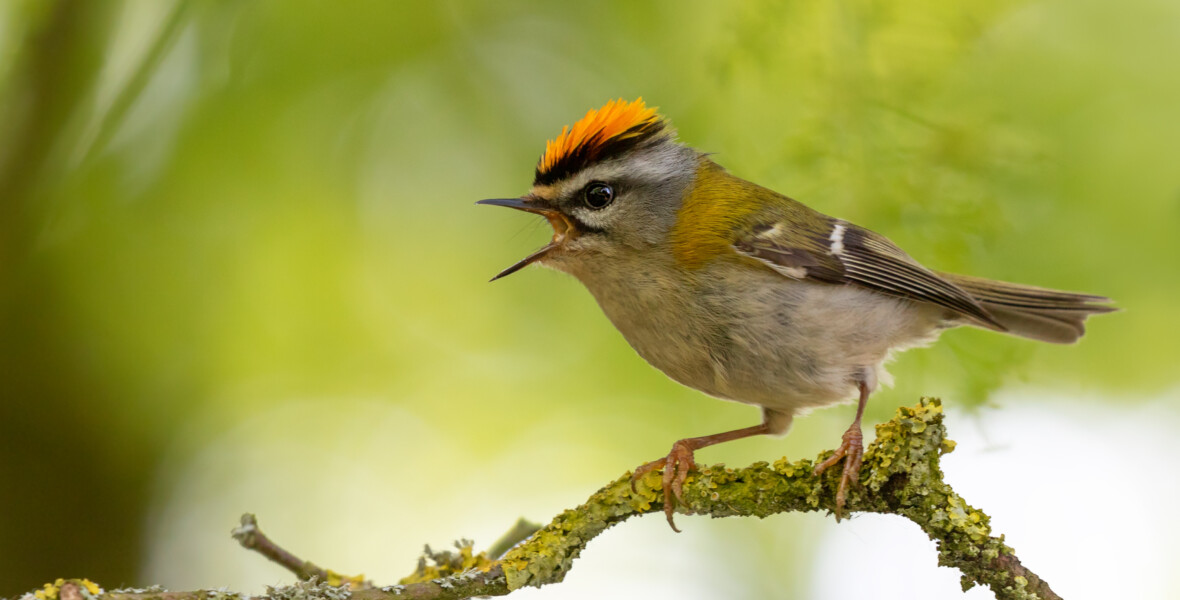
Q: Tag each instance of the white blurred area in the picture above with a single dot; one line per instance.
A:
(1083, 490)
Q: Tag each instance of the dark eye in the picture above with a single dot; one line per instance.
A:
(599, 195)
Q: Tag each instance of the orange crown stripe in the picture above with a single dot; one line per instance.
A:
(596, 128)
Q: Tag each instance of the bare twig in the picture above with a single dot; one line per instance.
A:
(251, 537)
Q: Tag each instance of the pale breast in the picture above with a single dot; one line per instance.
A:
(664, 321)
(754, 336)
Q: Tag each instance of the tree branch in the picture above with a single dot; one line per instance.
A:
(900, 475)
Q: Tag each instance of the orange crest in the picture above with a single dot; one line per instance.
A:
(619, 124)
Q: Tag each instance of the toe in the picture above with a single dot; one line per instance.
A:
(839, 512)
(671, 488)
(669, 473)
(668, 513)
(684, 464)
(642, 470)
(831, 460)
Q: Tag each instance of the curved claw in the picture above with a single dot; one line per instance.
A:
(852, 451)
(680, 461)
(675, 472)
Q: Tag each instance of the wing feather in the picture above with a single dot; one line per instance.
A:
(839, 252)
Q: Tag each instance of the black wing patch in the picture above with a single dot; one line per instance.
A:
(840, 252)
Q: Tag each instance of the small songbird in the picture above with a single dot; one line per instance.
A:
(745, 294)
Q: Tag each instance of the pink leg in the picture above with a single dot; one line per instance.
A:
(680, 461)
(851, 449)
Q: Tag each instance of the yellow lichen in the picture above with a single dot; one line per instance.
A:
(355, 582)
(447, 563)
(900, 475)
(50, 591)
(785, 467)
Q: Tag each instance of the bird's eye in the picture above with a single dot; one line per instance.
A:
(599, 195)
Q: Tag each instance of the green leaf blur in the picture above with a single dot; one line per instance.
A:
(212, 209)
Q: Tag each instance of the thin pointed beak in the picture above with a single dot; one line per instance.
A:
(517, 203)
(563, 229)
(526, 261)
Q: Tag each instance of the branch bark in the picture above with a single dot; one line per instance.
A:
(900, 475)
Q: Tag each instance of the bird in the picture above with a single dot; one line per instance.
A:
(745, 294)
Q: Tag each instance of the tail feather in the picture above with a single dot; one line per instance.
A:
(1032, 312)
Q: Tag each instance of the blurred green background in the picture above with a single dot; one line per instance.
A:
(240, 268)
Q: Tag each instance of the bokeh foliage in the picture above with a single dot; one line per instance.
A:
(211, 208)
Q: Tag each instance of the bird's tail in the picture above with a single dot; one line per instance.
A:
(1033, 312)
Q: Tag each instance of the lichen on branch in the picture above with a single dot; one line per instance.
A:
(900, 475)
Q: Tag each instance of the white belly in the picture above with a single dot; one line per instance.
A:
(754, 336)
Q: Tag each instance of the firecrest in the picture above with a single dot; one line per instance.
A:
(745, 294)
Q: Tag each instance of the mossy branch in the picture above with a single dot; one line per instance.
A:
(900, 475)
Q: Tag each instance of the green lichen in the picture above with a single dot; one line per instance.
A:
(900, 475)
(309, 590)
(549, 553)
(224, 594)
(433, 566)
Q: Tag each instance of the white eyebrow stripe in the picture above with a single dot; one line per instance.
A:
(837, 239)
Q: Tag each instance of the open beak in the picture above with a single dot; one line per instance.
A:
(563, 229)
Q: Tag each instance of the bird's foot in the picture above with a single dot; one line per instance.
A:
(676, 467)
(852, 451)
